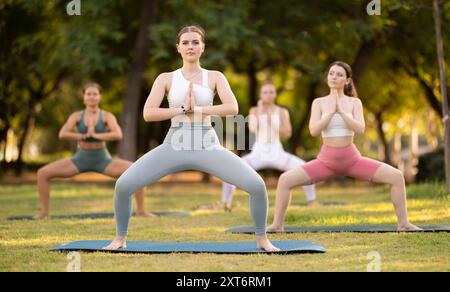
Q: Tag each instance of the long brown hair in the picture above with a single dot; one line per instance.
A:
(350, 88)
(192, 28)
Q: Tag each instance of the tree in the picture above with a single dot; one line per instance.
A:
(443, 81)
(132, 97)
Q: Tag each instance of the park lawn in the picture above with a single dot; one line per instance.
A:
(24, 245)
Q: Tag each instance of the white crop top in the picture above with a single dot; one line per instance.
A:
(337, 127)
(204, 96)
(269, 135)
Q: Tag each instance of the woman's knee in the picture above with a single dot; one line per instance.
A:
(284, 181)
(123, 186)
(257, 186)
(42, 173)
(397, 178)
(293, 178)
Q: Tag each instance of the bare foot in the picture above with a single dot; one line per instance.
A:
(408, 227)
(119, 243)
(145, 214)
(313, 203)
(262, 242)
(275, 228)
(41, 216)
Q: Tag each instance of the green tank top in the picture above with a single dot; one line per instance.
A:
(99, 127)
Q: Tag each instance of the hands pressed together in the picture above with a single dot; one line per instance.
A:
(189, 101)
(91, 130)
(337, 105)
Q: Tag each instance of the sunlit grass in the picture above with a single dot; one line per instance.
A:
(24, 245)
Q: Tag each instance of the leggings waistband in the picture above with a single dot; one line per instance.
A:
(194, 125)
(349, 146)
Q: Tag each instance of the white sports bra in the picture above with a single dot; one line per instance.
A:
(269, 135)
(337, 127)
(204, 96)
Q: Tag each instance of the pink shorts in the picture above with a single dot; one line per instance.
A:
(341, 161)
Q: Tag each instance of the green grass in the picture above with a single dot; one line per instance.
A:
(24, 245)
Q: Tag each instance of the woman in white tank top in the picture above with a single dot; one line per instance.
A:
(268, 122)
(191, 143)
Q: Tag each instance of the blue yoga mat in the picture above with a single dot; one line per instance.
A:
(101, 216)
(287, 247)
(347, 228)
(323, 204)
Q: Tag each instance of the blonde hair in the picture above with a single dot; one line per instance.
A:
(268, 82)
(92, 84)
(191, 28)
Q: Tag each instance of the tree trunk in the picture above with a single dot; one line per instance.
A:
(363, 57)
(445, 106)
(298, 133)
(130, 113)
(3, 136)
(252, 84)
(413, 152)
(430, 97)
(382, 137)
(4, 142)
(18, 167)
(36, 96)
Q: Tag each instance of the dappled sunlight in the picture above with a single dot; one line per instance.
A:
(39, 241)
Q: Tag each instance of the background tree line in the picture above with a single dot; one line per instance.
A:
(46, 56)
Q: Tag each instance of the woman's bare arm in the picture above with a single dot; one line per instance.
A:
(152, 110)
(229, 104)
(356, 123)
(317, 122)
(67, 133)
(115, 132)
(286, 126)
(253, 121)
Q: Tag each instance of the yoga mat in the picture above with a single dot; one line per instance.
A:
(215, 207)
(324, 204)
(101, 216)
(349, 228)
(287, 247)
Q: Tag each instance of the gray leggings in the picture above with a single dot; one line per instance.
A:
(190, 147)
